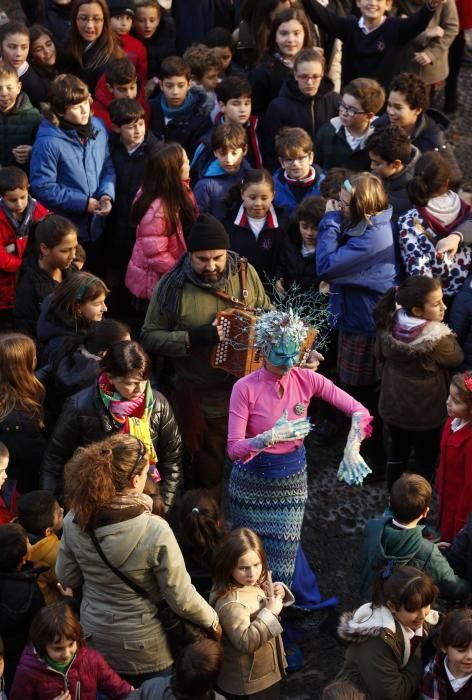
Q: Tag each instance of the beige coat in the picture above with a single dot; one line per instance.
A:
(254, 657)
(122, 624)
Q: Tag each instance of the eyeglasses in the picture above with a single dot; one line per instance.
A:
(83, 19)
(306, 78)
(350, 110)
(298, 159)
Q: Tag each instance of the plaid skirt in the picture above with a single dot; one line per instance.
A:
(356, 359)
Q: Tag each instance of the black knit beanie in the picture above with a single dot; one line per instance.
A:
(207, 233)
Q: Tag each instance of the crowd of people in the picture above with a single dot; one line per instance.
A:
(187, 181)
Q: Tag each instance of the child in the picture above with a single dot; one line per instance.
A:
(248, 605)
(255, 227)
(234, 100)
(59, 664)
(19, 593)
(19, 120)
(332, 183)
(449, 673)
(42, 517)
(392, 158)
(416, 352)
(338, 690)
(341, 142)
(49, 256)
(223, 44)
(163, 210)
(130, 148)
(121, 21)
(454, 479)
(229, 146)
(17, 212)
(307, 100)
(355, 253)
(204, 73)
(425, 229)
(14, 49)
(176, 113)
(383, 657)
(298, 177)
(68, 312)
(156, 30)
(71, 165)
(297, 255)
(8, 495)
(202, 528)
(398, 538)
(118, 82)
(371, 43)
(407, 107)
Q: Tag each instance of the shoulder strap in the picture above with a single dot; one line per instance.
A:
(131, 584)
(237, 303)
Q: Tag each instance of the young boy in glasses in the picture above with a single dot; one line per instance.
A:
(297, 177)
(341, 142)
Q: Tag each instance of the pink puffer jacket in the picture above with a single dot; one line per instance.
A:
(155, 252)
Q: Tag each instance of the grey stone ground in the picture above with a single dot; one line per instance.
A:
(336, 513)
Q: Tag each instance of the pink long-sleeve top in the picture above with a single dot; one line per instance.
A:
(259, 400)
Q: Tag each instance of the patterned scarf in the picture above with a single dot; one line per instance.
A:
(130, 416)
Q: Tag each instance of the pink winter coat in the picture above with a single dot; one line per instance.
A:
(155, 252)
(89, 672)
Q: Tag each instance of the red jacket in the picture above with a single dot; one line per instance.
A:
(11, 259)
(464, 8)
(137, 54)
(104, 97)
(454, 480)
(8, 504)
(35, 680)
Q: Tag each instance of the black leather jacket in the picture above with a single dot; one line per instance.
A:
(84, 419)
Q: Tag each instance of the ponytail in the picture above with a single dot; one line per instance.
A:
(383, 312)
(403, 586)
(96, 473)
(431, 177)
(202, 525)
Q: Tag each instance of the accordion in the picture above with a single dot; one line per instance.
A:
(237, 353)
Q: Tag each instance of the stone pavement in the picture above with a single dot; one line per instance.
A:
(336, 513)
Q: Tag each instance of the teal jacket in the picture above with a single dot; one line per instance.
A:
(383, 542)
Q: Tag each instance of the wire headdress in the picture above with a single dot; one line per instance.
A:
(279, 326)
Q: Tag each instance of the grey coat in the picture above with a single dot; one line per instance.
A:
(117, 621)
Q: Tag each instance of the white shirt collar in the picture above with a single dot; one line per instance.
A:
(458, 423)
(365, 29)
(456, 683)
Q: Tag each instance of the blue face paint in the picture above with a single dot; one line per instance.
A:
(284, 354)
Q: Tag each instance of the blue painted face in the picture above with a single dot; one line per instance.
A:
(285, 354)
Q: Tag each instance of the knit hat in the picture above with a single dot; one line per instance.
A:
(207, 233)
(121, 7)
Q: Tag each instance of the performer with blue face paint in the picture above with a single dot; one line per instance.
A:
(267, 424)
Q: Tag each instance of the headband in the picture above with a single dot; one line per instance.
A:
(347, 186)
(467, 381)
(83, 288)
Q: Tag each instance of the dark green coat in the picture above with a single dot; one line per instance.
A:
(384, 542)
(18, 127)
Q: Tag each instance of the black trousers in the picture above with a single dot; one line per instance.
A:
(424, 443)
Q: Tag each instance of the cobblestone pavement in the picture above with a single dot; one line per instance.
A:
(336, 513)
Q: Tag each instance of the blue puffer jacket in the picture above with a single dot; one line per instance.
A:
(460, 321)
(360, 266)
(289, 196)
(213, 187)
(65, 173)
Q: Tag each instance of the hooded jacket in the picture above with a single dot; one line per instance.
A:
(293, 108)
(378, 660)
(65, 173)
(88, 672)
(52, 331)
(186, 128)
(361, 265)
(123, 625)
(84, 419)
(213, 187)
(415, 377)
(18, 127)
(383, 543)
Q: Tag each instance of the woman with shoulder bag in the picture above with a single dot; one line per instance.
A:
(110, 522)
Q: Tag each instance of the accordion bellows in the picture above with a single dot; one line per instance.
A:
(237, 353)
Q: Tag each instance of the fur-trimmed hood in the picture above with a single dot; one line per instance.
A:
(433, 333)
